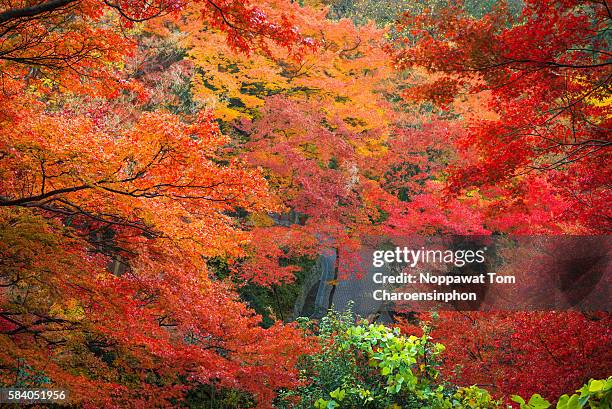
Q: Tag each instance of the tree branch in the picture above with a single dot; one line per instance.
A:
(31, 11)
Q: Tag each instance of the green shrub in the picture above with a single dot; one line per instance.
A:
(372, 366)
(596, 394)
(363, 365)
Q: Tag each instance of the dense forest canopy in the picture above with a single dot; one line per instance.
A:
(170, 170)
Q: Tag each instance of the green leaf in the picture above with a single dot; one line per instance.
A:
(567, 402)
(596, 385)
(338, 394)
(321, 403)
(562, 402)
(574, 402)
(538, 402)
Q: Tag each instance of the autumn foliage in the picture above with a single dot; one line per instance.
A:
(544, 75)
(157, 157)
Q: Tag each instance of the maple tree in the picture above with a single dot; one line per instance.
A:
(151, 198)
(109, 213)
(311, 123)
(548, 73)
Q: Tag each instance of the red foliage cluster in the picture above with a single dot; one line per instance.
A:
(522, 353)
(547, 71)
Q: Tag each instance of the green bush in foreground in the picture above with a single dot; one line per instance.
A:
(373, 366)
(595, 394)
